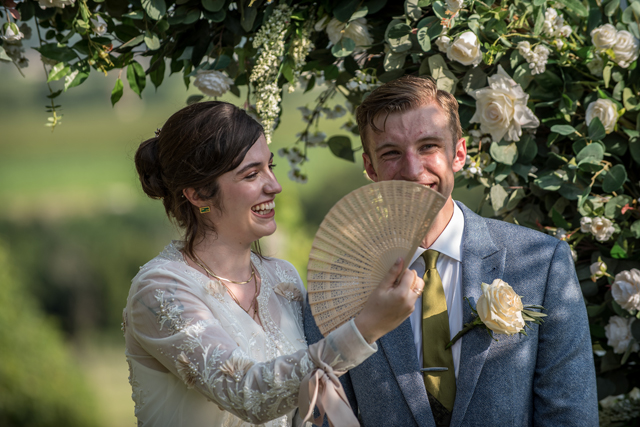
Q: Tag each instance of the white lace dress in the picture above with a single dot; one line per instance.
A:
(198, 359)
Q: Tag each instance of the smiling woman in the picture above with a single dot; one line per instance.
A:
(213, 331)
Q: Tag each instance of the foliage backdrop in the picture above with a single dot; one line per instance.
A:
(548, 94)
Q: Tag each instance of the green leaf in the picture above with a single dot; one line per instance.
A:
(79, 73)
(340, 146)
(213, 5)
(344, 47)
(440, 9)
(152, 41)
(4, 56)
(498, 197)
(634, 149)
(563, 129)
(618, 252)
(474, 79)
(345, 9)
(614, 180)
(59, 71)
(397, 36)
(249, 18)
(539, 22)
(394, 61)
(136, 15)
(157, 74)
(527, 149)
(549, 182)
(136, 78)
(156, 9)
(596, 130)
(445, 79)
(360, 13)
(629, 100)
(558, 219)
(117, 92)
(576, 6)
(412, 10)
(592, 151)
(57, 52)
(635, 229)
(423, 39)
(613, 208)
(606, 74)
(374, 6)
(504, 152)
(611, 7)
(194, 99)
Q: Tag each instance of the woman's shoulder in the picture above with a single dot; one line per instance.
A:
(284, 275)
(168, 265)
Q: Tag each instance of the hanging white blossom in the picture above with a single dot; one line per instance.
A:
(212, 82)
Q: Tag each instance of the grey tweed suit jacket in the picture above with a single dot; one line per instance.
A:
(546, 378)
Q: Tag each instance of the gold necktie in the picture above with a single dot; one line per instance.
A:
(435, 335)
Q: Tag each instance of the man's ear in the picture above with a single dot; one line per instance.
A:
(460, 155)
(194, 198)
(368, 167)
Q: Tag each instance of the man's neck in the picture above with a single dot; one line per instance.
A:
(439, 224)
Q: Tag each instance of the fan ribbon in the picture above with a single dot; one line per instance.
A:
(322, 388)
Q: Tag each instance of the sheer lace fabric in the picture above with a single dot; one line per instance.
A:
(197, 358)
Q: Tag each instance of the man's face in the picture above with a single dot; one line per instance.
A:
(416, 146)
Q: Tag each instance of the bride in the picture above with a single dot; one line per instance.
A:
(213, 330)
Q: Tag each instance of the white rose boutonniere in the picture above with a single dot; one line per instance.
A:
(500, 310)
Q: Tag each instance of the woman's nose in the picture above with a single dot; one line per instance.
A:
(272, 186)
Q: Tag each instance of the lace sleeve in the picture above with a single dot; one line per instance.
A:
(176, 327)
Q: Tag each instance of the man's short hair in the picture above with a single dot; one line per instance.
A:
(404, 94)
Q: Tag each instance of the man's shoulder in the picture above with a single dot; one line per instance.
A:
(505, 232)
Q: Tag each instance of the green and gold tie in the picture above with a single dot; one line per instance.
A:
(435, 335)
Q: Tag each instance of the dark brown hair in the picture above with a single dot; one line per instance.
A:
(404, 94)
(195, 146)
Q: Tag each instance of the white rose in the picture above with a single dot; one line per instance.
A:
(99, 26)
(602, 228)
(604, 37)
(626, 289)
(500, 308)
(585, 224)
(356, 30)
(212, 82)
(465, 49)
(55, 3)
(454, 6)
(634, 393)
(606, 110)
(12, 33)
(597, 270)
(443, 43)
(625, 49)
(618, 333)
(596, 66)
(611, 401)
(501, 108)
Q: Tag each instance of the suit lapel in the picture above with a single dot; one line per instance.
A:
(400, 352)
(482, 261)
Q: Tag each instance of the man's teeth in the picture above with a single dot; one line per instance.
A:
(264, 208)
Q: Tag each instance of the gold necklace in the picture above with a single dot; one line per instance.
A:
(212, 274)
(254, 301)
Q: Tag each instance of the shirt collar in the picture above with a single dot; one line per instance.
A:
(449, 242)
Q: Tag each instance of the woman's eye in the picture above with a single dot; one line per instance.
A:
(251, 175)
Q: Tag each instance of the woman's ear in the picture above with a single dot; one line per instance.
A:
(194, 198)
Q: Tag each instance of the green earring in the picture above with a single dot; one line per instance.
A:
(205, 209)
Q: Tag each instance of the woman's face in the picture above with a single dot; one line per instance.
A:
(247, 194)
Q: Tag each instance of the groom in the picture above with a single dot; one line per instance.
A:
(411, 131)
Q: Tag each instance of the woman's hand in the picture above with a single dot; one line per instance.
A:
(390, 303)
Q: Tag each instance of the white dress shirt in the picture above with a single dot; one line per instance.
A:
(449, 266)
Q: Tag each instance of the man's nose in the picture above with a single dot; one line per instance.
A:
(411, 167)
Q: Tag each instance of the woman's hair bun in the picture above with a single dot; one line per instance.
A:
(149, 170)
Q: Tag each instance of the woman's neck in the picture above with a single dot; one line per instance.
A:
(225, 259)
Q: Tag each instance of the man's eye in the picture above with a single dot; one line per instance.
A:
(272, 165)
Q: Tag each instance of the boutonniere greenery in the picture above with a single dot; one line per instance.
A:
(500, 310)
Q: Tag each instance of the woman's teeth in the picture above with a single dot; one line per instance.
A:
(264, 208)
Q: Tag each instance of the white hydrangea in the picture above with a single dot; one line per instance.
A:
(55, 3)
(212, 82)
(626, 289)
(554, 25)
(536, 58)
(357, 30)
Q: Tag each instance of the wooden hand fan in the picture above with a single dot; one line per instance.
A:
(359, 240)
